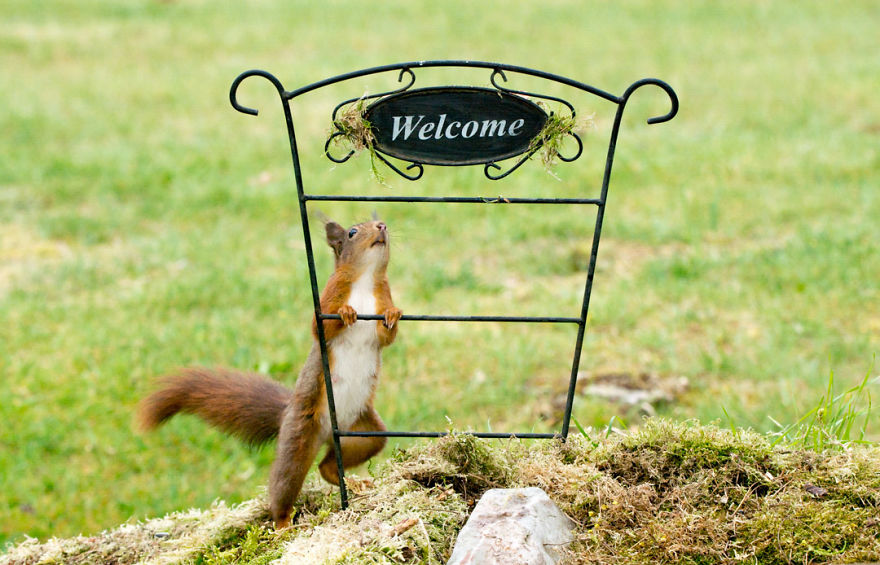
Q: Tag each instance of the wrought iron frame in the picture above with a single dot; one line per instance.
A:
(499, 71)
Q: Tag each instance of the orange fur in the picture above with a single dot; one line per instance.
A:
(257, 409)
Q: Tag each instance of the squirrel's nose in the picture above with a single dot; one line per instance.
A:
(381, 226)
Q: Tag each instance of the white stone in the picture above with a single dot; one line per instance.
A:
(513, 527)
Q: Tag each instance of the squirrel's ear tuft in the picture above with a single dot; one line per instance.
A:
(321, 216)
(335, 236)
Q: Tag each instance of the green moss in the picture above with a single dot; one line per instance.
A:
(792, 528)
(460, 461)
(475, 462)
(678, 493)
(396, 521)
(684, 493)
(354, 132)
(257, 544)
(549, 141)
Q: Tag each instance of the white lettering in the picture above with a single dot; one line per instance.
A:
(439, 133)
(489, 127)
(404, 127)
(467, 128)
(515, 126)
(407, 128)
(425, 132)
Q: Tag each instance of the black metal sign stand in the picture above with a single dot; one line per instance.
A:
(415, 170)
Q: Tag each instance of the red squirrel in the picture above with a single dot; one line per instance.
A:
(257, 409)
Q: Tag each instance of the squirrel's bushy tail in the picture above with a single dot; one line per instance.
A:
(246, 405)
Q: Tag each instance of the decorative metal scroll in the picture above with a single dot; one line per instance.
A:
(451, 126)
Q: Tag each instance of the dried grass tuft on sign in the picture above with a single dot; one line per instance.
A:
(356, 134)
(355, 129)
(550, 140)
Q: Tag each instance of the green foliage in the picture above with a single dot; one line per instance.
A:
(146, 225)
(838, 421)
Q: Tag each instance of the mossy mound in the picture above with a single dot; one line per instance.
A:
(667, 493)
(176, 538)
(682, 493)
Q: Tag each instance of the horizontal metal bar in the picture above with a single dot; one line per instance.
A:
(451, 63)
(453, 199)
(488, 435)
(538, 319)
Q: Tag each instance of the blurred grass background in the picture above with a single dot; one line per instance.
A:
(146, 225)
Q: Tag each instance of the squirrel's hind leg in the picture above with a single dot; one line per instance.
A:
(298, 443)
(355, 450)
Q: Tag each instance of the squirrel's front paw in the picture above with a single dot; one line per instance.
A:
(348, 315)
(392, 315)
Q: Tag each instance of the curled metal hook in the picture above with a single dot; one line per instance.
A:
(420, 169)
(327, 149)
(499, 72)
(233, 90)
(487, 168)
(577, 154)
(673, 98)
(412, 80)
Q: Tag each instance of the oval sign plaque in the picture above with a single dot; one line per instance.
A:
(454, 125)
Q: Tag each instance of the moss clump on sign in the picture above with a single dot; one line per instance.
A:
(355, 133)
(355, 130)
(549, 141)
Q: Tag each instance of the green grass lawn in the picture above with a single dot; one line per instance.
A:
(146, 225)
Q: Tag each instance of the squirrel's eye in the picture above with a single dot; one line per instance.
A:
(351, 232)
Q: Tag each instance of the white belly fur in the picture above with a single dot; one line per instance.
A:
(355, 356)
